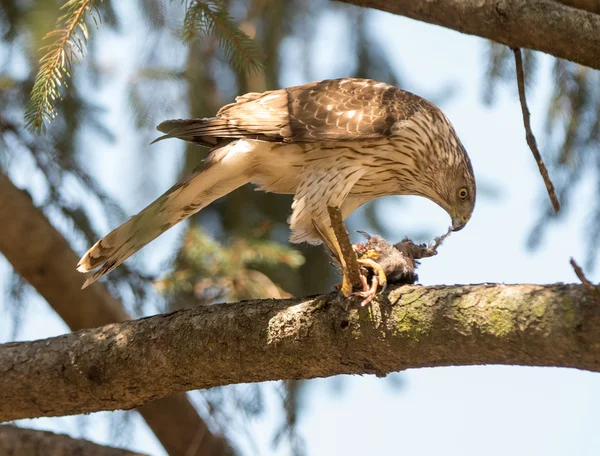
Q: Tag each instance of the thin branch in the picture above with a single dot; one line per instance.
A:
(542, 25)
(584, 280)
(127, 364)
(529, 134)
(16, 441)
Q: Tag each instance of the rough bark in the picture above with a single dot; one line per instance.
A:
(42, 256)
(15, 441)
(588, 5)
(125, 365)
(543, 25)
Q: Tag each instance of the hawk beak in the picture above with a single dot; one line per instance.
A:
(458, 223)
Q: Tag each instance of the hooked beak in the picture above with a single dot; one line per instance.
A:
(458, 223)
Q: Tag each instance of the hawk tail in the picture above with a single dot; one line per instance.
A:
(213, 179)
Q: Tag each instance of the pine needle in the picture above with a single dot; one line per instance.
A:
(212, 18)
(69, 40)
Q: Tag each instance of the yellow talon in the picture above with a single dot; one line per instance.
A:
(377, 270)
(379, 278)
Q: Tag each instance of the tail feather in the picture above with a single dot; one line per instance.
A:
(205, 131)
(211, 130)
(210, 181)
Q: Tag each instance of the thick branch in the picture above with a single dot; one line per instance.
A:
(15, 441)
(543, 25)
(127, 364)
(42, 256)
(589, 5)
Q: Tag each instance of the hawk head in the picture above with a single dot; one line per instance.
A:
(454, 186)
(457, 196)
(441, 168)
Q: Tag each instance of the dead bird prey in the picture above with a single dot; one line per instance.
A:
(385, 263)
(335, 143)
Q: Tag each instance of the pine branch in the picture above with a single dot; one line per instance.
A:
(208, 271)
(70, 39)
(211, 18)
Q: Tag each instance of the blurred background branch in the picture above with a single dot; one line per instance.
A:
(42, 257)
(15, 441)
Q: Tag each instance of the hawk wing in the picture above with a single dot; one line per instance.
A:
(329, 110)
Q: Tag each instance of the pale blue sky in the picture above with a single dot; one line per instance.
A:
(464, 411)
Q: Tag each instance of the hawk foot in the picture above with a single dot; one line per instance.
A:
(378, 279)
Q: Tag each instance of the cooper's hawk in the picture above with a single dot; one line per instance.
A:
(338, 143)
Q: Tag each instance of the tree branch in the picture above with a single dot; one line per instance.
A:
(42, 256)
(592, 6)
(125, 365)
(542, 25)
(16, 441)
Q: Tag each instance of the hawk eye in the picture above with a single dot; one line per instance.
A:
(463, 193)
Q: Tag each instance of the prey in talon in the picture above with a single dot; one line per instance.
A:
(382, 262)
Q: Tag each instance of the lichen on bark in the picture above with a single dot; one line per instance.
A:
(128, 364)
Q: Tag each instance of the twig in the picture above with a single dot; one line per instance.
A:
(350, 266)
(529, 134)
(584, 280)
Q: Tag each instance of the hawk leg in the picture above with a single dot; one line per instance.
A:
(338, 243)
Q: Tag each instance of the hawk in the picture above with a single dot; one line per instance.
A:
(337, 143)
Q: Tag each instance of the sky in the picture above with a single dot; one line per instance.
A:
(492, 410)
